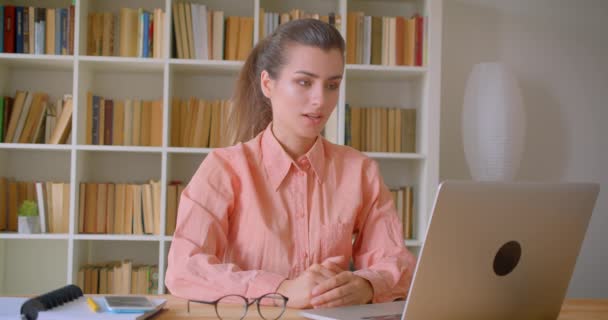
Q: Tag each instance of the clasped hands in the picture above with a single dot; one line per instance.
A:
(326, 285)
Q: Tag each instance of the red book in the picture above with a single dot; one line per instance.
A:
(9, 29)
(419, 40)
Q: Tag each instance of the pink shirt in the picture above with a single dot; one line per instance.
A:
(252, 217)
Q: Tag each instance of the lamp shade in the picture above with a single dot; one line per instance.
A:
(493, 123)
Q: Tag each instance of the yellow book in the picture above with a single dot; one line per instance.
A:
(171, 209)
(119, 208)
(156, 205)
(50, 31)
(81, 206)
(128, 224)
(138, 225)
(232, 38)
(147, 209)
(156, 123)
(64, 124)
(102, 209)
(90, 210)
(177, 30)
(189, 30)
(245, 37)
(136, 132)
(107, 45)
(184, 31)
(129, 23)
(175, 123)
(391, 130)
(118, 123)
(146, 119)
(36, 110)
(199, 123)
(3, 201)
(110, 208)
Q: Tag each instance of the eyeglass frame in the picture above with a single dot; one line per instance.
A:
(247, 304)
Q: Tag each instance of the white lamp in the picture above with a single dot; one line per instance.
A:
(493, 123)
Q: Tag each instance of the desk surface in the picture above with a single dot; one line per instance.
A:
(573, 309)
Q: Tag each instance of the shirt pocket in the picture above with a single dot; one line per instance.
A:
(336, 239)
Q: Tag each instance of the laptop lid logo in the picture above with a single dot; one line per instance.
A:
(507, 258)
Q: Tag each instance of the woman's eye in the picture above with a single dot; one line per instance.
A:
(333, 86)
(304, 83)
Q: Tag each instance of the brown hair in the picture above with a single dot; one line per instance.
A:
(251, 111)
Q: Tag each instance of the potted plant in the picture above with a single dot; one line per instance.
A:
(28, 220)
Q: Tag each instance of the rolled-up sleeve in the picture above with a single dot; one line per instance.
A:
(379, 252)
(196, 269)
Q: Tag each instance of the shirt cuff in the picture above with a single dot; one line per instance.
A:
(263, 283)
(378, 284)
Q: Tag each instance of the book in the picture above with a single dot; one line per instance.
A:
(69, 302)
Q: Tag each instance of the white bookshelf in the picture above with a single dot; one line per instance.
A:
(36, 263)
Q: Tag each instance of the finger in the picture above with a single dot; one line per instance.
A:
(326, 273)
(318, 277)
(343, 301)
(333, 267)
(338, 296)
(331, 283)
(315, 267)
(337, 260)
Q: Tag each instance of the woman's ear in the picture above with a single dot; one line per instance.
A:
(266, 83)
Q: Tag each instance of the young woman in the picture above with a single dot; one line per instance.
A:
(277, 212)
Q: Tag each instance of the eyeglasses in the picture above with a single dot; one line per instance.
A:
(271, 306)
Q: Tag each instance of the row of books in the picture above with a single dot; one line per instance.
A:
(390, 41)
(202, 33)
(174, 191)
(29, 117)
(37, 30)
(118, 277)
(403, 199)
(130, 122)
(198, 123)
(52, 200)
(119, 208)
(270, 21)
(141, 33)
(379, 129)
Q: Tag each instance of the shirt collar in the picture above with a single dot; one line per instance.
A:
(278, 163)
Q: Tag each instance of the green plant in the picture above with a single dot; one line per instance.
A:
(28, 209)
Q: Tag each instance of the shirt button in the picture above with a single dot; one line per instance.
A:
(300, 215)
(301, 174)
(304, 163)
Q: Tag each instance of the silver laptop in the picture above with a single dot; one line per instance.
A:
(492, 251)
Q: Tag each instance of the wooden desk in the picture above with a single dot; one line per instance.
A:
(573, 309)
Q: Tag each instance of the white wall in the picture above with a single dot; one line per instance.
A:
(558, 50)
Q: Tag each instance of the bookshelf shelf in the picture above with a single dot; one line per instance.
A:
(35, 146)
(119, 148)
(166, 78)
(388, 155)
(24, 236)
(383, 72)
(123, 64)
(20, 60)
(116, 237)
(188, 65)
(178, 150)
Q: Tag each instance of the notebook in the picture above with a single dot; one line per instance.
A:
(66, 303)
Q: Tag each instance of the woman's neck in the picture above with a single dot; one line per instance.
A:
(294, 146)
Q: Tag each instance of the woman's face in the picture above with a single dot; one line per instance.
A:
(305, 92)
